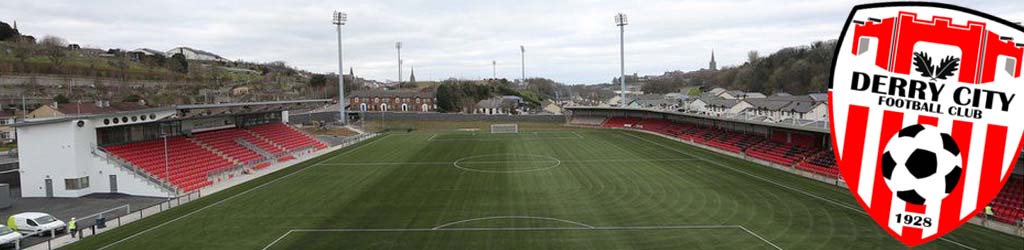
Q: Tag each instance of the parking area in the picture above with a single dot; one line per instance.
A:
(84, 208)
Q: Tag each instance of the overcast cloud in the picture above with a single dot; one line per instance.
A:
(569, 41)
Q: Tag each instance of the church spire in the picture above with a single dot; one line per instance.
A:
(350, 72)
(412, 75)
(713, 65)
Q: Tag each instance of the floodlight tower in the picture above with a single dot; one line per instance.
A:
(522, 51)
(339, 19)
(398, 46)
(494, 69)
(620, 20)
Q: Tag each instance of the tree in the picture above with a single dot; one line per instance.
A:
(543, 86)
(22, 50)
(752, 57)
(132, 98)
(178, 64)
(448, 98)
(54, 49)
(8, 33)
(318, 81)
(61, 99)
(155, 60)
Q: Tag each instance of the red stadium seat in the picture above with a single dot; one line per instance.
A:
(189, 165)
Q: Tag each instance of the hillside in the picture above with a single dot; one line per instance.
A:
(794, 70)
(118, 74)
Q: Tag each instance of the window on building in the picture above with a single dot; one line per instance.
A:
(76, 183)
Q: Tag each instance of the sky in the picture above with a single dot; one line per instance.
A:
(574, 42)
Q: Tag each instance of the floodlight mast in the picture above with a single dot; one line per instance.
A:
(339, 19)
(522, 50)
(398, 46)
(620, 20)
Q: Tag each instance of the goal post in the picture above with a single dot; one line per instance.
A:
(509, 128)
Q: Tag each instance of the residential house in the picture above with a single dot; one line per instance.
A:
(777, 108)
(148, 52)
(654, 101)
(7, 117)
(75, 109)
(495, 106)
(736, 94)
(613, 101)
(551, 108)
(392, 100)
(717, 106)
(195, 54)
(716, 91)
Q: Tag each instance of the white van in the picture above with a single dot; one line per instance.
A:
(8, 237)
(28, 223)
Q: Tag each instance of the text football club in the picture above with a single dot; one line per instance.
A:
(922, 108)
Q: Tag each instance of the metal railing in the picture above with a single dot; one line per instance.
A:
(253, 147)
(116, 160)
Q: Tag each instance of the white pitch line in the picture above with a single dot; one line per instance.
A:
(278, 239)
(496, 162)
(239, 194)
(431, 137)
(579, 227)
(513, 217)
(506, 139)
(759, 237)
(778, 184)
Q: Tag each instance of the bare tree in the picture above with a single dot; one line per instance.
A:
(54, 49)
(23, 50)
(753, 56)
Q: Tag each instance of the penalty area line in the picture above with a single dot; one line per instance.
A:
(578, 227)
(509, 162)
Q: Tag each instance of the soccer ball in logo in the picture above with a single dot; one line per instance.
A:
(921, 164)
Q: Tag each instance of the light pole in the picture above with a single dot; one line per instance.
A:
(167, 162)
(398, 46)
(522, 52)
(494, 69)
(620, 20)
(339, 19)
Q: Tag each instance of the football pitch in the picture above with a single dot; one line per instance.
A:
(543, 189)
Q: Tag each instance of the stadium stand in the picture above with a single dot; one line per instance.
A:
(1008, 206)
(225, 141)
(799, 152)
(620, 122)
(192, 161)
(594, 121)
(189, 164)
(823, 163)
(287, 137)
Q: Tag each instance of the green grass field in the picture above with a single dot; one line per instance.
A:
(550, 189)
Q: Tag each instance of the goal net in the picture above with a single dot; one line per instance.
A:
(504, 128)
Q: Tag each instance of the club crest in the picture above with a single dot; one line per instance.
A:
(924, 113)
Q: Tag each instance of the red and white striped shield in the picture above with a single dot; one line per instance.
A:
(925, 122)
